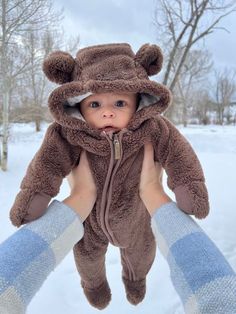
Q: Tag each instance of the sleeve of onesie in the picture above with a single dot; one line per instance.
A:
(29, 255)
(203, 279)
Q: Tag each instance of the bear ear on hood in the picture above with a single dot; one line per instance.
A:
(151, 58)
(59, 66)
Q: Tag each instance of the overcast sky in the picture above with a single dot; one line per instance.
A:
(107, 21)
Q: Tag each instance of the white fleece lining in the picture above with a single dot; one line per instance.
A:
(76, 99)
(146, 100)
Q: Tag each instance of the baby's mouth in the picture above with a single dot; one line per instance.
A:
(109, 129)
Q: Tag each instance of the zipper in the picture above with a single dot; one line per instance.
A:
(116, 155)
(117, 147)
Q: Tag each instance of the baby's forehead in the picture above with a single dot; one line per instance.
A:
(113, 95)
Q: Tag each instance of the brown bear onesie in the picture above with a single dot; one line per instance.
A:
(118, 216)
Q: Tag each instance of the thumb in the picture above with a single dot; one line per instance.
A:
(148, 159)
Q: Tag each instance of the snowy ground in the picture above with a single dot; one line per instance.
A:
(216, 149)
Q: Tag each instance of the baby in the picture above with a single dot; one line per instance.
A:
(110, 114)
(108, 106)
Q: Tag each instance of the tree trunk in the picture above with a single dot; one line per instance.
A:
(5, 134)
(221, 117)
(184, 114)
(37, 125)
(5, 93)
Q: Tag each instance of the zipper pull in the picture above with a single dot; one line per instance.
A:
(116, 144)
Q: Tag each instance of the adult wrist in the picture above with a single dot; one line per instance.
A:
(82, 204)
(154, 199)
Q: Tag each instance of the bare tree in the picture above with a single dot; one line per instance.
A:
(194, 71)
(34, 87)
(36, 46)
(180, 25)
(203, 106)
(225, 89)
(16, 18)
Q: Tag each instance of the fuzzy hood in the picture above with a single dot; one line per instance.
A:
(105, 68)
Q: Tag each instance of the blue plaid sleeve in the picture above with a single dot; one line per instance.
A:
(31, 254)
(202, 277)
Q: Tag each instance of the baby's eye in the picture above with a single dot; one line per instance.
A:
(120, 103)
(94, 104)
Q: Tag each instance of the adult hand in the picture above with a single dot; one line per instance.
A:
(83, 189)
(150, 189)
(81, 179)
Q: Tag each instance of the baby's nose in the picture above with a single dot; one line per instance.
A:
(108, 114)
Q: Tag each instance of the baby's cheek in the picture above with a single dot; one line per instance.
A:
(92, 121)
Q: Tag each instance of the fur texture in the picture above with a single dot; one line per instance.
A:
(118, 216)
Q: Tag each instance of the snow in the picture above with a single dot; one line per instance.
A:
(61, 293)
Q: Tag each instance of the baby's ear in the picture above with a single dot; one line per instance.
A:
(59, 66)
(151, 58)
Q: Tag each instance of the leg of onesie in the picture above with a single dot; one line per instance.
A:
(137, 261)
(89, 254)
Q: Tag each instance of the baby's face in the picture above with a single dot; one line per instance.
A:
(109, 111)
